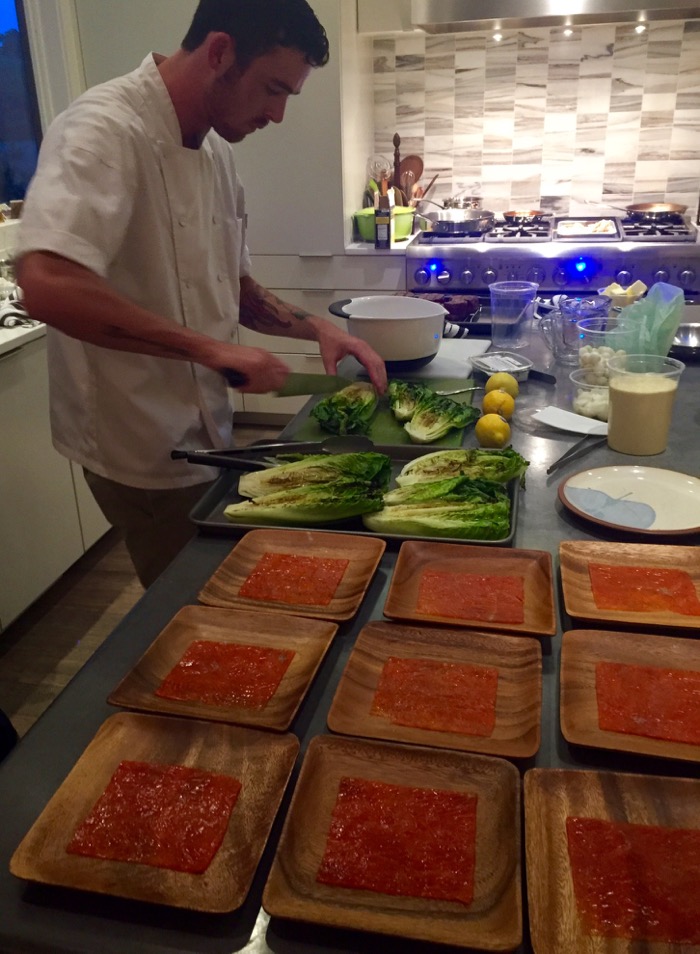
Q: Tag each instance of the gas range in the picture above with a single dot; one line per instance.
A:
(556, 257)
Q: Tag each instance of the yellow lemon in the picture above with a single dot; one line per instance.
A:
(504, 382)
(492, 431)
(498, 402)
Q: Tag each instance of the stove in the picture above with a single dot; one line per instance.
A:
(607, 250)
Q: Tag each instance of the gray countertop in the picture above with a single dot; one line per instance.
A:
(38, 918)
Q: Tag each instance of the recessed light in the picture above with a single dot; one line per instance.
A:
(568, 32)
(497, 37)
(640, 28)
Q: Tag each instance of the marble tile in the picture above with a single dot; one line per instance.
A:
(573, 105)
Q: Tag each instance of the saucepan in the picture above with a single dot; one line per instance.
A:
(405, 332)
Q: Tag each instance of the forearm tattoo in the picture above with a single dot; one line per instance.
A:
(262, 311)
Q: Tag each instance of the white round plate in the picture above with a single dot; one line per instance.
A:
(646, 500)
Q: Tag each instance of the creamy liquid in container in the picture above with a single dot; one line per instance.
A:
(640, 413)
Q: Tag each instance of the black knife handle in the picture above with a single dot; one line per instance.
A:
(234, 379)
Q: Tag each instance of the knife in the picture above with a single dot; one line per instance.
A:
(296, 383)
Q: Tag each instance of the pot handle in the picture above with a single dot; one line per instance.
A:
(337, 308)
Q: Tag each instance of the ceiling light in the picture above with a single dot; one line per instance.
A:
(568, 32)
(640, 28)
(497, 37)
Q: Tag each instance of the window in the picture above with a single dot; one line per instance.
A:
(20, 129)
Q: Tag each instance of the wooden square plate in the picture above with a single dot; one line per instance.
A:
(307, 639)
(364, 554)
(576, 555)
(533, 566)
(261, 761)
(493, 921)
(582, 650)
(518, 698)
(553, 795)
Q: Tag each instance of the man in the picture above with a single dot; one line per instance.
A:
(133, 251)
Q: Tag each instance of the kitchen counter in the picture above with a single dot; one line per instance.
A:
(37, 918)
(13, 338)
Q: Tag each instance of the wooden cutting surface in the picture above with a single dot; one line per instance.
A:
(518, 699)
(552, 795)
(261, 761)
(582, 650)
(364, 554)
(307, 639)
(535, 566)
(492, 922)
(576, 555)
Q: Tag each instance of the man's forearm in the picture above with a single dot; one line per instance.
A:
(79, 303)
(262, 311)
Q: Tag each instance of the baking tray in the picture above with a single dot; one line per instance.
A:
(208, 513)
(570, 233)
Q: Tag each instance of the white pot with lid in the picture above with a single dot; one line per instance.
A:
(405, 332)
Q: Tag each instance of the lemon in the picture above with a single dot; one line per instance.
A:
(498, 402)
(502, 381)
(492, 431)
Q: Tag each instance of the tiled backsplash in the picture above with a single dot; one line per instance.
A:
(577, 124)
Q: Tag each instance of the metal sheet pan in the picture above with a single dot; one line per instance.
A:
(208, 513)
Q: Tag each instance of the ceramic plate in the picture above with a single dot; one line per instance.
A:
(308, 639)
(645, 500)
(261, 761)
(516, 733)
(579, 601)
(492, 922)
(582, 650)
(363, 554)
(417, 558)
(552, 795)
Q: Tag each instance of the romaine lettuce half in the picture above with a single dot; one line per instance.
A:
(348, 411)
(310, 505)
(370, 468)
(499, 465)
(436, 415)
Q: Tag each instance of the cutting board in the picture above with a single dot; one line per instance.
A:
(449, 369)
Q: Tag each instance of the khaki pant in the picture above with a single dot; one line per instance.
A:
(155, 523)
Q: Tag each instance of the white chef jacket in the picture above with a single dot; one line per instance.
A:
(116, 191)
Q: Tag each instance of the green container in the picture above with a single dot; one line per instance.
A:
(403, 223)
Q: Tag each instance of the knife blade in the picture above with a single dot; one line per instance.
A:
(296, 383)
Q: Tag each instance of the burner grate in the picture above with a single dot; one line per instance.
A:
(676, 230)
(532, 232)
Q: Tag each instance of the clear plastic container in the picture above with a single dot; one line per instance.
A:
(600, 339)
(494, 361)
(590, 397)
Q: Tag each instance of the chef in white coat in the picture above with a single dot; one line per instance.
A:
(132, 249)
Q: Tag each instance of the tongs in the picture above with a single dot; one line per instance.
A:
(349, 444)
(587, 443)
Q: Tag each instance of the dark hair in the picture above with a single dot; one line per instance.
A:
(256, 26)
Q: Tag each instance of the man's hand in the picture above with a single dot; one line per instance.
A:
(264, 372)
(336, 344)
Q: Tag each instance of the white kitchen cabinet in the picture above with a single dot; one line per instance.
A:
(305, 177)
(39, 528)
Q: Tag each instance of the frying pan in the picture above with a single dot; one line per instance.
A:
(655, 211)
(465, 221)
(524, 217)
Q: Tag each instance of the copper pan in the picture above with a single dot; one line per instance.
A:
(655, 211)
(524, 216)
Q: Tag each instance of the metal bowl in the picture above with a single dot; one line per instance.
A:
(686, 344)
